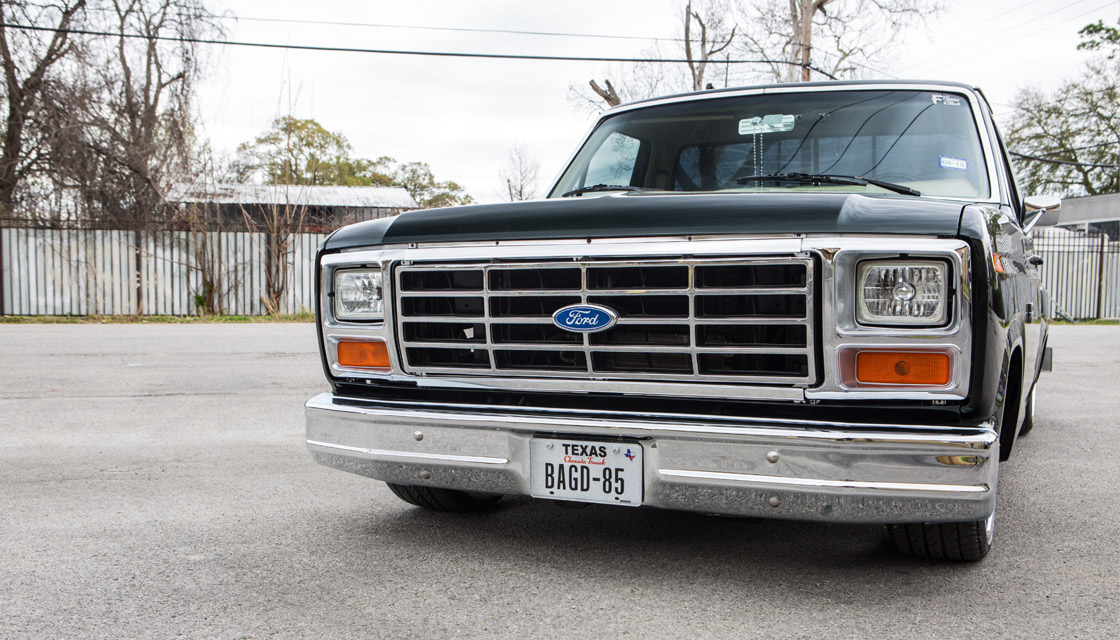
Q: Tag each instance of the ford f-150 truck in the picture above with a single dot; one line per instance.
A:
(813, 301)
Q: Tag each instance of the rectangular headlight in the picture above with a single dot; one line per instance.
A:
(358, 294)
(903, 292)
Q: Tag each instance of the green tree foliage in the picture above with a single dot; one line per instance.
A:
(1073, 134)
(295, 151)
(417, 179)
(1099, 36)
(303, 152)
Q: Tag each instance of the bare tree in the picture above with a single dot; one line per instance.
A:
(203, 218)
(839, 37)
(282, 221)
(149, 129)
(1068, 142)
(789, 39)
(608, 94)
(707, 32)
(28, 58)
(639, 81)
(520, 174)
(714, 36)
(125, 134)
(122, 148)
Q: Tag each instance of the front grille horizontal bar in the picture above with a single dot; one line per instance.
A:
(567, 292)
(742, 320)
(524, 346)
(621, 321)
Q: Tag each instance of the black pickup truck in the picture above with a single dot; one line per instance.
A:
(813, 301)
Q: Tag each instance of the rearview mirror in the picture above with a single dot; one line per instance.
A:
(1035, 206)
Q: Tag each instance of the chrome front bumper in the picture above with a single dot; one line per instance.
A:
(832, 472)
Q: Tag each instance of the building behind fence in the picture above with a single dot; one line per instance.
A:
(95, 272)
(318, 208)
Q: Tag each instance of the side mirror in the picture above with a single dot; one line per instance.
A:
(1035, 206)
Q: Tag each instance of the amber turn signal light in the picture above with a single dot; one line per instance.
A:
(363, 355)
(997, 263)
(928, 369)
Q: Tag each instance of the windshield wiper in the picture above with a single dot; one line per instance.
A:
(604, 187)
(828, 178)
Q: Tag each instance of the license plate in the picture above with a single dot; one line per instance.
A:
(584, 471)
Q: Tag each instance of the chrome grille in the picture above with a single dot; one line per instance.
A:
(745, 320)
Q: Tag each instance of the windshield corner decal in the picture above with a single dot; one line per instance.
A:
(953, 163)
(948, 101)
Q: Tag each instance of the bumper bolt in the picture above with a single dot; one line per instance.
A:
(428, 476)
(774, 501)
(418, 435)
(772, 456)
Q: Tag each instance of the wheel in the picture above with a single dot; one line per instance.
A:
(1028, 420)
(968, 541)
(444, 499)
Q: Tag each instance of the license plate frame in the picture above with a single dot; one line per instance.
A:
(602, 472)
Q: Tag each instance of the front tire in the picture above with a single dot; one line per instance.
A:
(962, 541)
(1028, 420)
(438, 499)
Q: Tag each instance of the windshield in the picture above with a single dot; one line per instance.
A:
(923, 140)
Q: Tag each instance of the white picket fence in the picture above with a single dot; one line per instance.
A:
(87, 272)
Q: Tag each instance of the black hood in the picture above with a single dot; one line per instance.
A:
(637, 215)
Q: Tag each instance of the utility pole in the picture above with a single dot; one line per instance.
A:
(2, 222)
(1100, 274)
(808, 8)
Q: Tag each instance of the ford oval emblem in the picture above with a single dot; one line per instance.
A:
(585, 318)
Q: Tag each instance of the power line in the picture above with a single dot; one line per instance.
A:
(1019, 107)
(1018, 37)
(519, 32)
(860, 64)
(1079, 164)
(974, 25)
(438, 54)
(386, 25)
(378, 25)
(1088, 146)
(986, 22)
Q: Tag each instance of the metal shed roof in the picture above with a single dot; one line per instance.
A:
(1090, 209)
(298, 195)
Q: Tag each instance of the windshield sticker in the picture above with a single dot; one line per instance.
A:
(948, 101)
(953, 163)
(775, 123)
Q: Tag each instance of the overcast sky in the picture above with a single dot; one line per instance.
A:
(462, 116)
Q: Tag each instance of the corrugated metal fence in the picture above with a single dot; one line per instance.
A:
(95, 272)
(86, 272)
(1081, 271)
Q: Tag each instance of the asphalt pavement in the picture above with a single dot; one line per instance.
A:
(154, 484)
